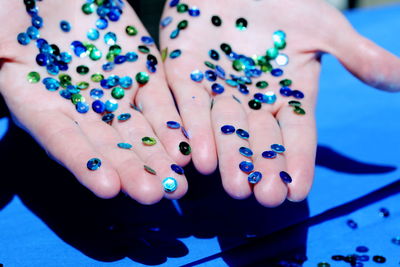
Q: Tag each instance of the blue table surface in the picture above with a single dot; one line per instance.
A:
(48, 219)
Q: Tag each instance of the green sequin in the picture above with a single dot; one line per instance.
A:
(65, 80)
(262, 84)
(164, 54)
(95, 54)
(266, 68)
(286, 82)
(149, 170)
(238, 65)
(131, 30)
(75, 98)
(88, 8)
(149, 141)
(97, 77)
(115, 49)
(241, 24)
(82, 69)
(299, 111)
(294, 103)
(182, 8)
(118, 92)
(33, 77)
(280, 44)
(82, 85)
(142, 77)
(272, 53)
(110, 57)
(183, 24)
(209, 64)
(143, 49)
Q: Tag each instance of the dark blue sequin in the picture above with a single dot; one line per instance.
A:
(166, 21)
(93, 164)
(151, 67)
(65, 26)
(65, 94)
(217, 88)
(93, 34)
(197, 76)
(42, 59)
(131, 56)
(243, 89)
(125, 82)
(254, 177)
(242, 134)
(147, 40)
(227, 129)
(119, 59)
(277, 72)
(211, 75)
(98, 106)
(285, 91)
(33, 32)
(65, 57)
(173, 124)
(213, 54)
(285, 177)
(246, 166)
(73, 89)
(104, 84)
(108, 117)
(96, 93)
(245, 151)
(194, 11)
(185, 133)
(278, 148)
(23, 38)
(109, 66)
(297, 94)
(114, 15)
(178, 169)
(37, 21)
(52, 69)
(40, 42)
(173, 3)
(124, 116)
(51, 84)
(220, 72)
(101, 23)
(269, 154)
(82, 107)
(176, 53)
(78, 48)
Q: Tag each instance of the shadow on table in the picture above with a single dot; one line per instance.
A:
(109, 230)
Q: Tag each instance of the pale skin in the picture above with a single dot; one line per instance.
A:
(72, 144)
(312, 27)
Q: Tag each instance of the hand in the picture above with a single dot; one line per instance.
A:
(72, 138)
(311, 27)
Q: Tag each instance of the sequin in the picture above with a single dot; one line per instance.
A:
(98, 106)
(183, 24)
(65, 26)
(220, 72)
(182, 8)
(147, 40)
(272, 53)
(124, 116)
(33, 77)
(78, 48)
(352, 224)
(82, 85)
(173, 3)
(82, 69)
(144, 49)
(174, 34)
(282, 60)
(213, 54)
(280, 44)
(185, 148)
(242, 134)
(37, 21)
(228, 129)
(269, 154)
(125, 82)
(255, 104)
(101, 23)
(118, 93)
(323, 264)
(185, 132)
(277, 72)
(23, 38)
(396, 240)
(362, 249)
(111, 105)
(120, 59)
(278, 148)
(82, 107)
(51, 84)
(209, 65)
(110, 38)
(246, 166)
(197, 76)
(176, 53)
(241, 24)
(149, 141)
(269, 97)
(231, 83)
(142, 78)
(244, 151)
(285, 91)
(299, 111)
(173, 125)
(93, 164)
(131, 30)
(254, 177)
(383, 212)
(75, 98)
(285, 177)
(194, 11)
(170, 184)
(166, 21)
(178, 169)
(33, 33)
(210, 75)
(297, 94)
(278, 35)
(124, 145)
(217, 88)
(243, 89)
(95, 54)
(294, 103)
(285, 82)
(93, 34)
(379, 259)
(262, 84)
(226, 48)
(149, 170)
(216, 21)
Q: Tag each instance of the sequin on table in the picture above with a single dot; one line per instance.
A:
(185, 148)
(177, 169)
(170, 184)
(228, 129)
(242, 134)
(93, 164)
(254, 177)
(246, 166)
(269, 154)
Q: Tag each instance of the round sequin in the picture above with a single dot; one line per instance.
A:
(278, 148)
(294, 103)
(216, 21)
(101, 23)
(174, 34)
(65, 26)
(217, 88)
(228, 129)
(241, 24)
(194, 11)
(182, 8)
(226, 48)
(82, 69)
(110, 38)
(142, 77)
(124, 145)
(254, 177)
(98, 106)
(125, 82)
(285, 177)
(242, 134)
(33, 77)
(23, 38)
(245, 151)
(178, 169)
(362, 249)
(183, 24)
(285, 91)
(118, 93)
(173, 125)
(185, 148)
(93, 164)
(108, 117)
(383, 212)
(246, 166)
(285, 82)
(282, 60)
(33, 32)
(299, 111)
(197, 76)
(277, 72)
(176, 53)
(149, 141)
(262, 84)
(170, 184)
(272, 53)
(352, 224)
(111, 105)
(147, 40)
(379, 259)
(93, 34)
(269, 154)
(243, 89)
(124, 116)
(297, 94)
(82, 107)
(255, 104)
(213, 54)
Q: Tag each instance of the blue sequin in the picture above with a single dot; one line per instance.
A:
(108, 117)
(194, 11)
(278, 36)
(246, 166)
(113, 80)
(131, 56)
(173, 3)
(78, 48)
(82, 107)
(33, 32)
(269, 154)
(147, 40)
(269, 98)
(124, 145)
(285, 91)
(110, 38)
(101, 23)
(176, 53)
(185, 133)
(119, 59)
(93, 34)
(114, 15)
(37, 21)
(277, 72)
(242, 134)
(210, 75)
(151, 67)
(73, 89)
(170, 184)
(65, 57)
(243, 89)
(174, 33)
(111, 105)
(40, 42)
(65, 94)
(245, 151)
(217, 88)
(124, 116)
(197, 76)
(23, 38)
(98, 106)
(125, 82)
(232, 83)
(62, 66)
(52, 69)
(254, 177)
(51, 84)
(104, 84)
(93, 164)
(228, 129)
(42, 59)
(109, 66)
(220, 72)
(178, 169)
(96, 93)
(297, 94)
(173, 125)
(285, 177)
(65, 26)
(166, 21)
(278, 148)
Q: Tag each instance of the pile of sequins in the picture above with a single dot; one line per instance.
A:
(55, 62)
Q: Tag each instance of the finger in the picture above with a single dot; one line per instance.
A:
(65, 141)
(265, 131)
(138, 184)
(155, 155)
(227, 111)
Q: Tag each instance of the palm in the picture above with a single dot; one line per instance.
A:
(311, 26)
